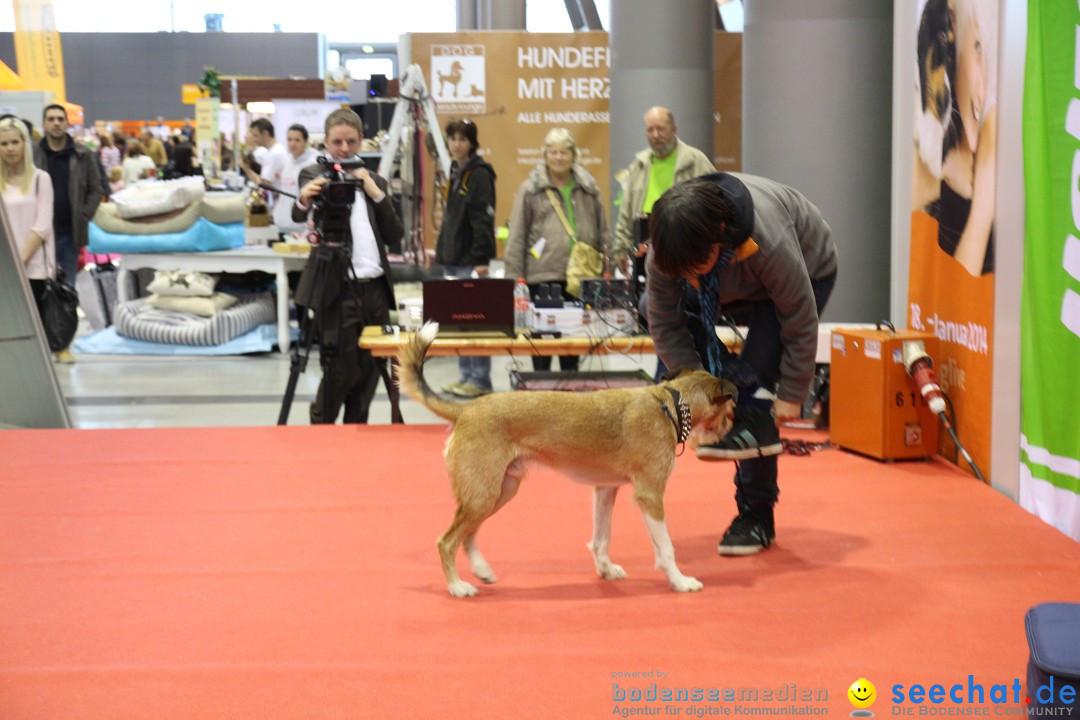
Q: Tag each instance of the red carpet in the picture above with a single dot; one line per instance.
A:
(292, 573)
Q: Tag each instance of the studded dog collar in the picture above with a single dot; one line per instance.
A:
(682, 422)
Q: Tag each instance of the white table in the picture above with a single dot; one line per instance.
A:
(239, 260)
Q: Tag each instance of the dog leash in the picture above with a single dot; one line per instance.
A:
(682, 424)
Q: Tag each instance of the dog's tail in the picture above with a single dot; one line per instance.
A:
(411, 374)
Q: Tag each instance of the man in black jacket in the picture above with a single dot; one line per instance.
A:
(76, 187)
(466, 241)
(348, 303)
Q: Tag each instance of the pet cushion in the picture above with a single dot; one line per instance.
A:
(202, 306)
(156, 197)
(178, 283)
(139, 320)
(202, 236)
(218, 208)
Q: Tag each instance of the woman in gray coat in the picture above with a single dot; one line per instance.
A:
(557, 205)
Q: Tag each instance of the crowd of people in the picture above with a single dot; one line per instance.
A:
(693, 243)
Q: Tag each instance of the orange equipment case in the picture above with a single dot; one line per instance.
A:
(874, 407)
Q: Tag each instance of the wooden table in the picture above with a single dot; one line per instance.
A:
(387, 345)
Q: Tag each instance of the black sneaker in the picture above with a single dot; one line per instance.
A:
(751, 532)
(753, 434)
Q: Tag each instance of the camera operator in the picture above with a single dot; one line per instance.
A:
(348, 303)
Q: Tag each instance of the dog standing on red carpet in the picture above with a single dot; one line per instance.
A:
(605, 438)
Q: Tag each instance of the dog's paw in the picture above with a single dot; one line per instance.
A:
(484, 573)
(460, 588)
(701, 435)
(611, 571)
(686, 584)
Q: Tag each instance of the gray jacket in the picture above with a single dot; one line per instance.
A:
(84, 188)
(689, 163)
(794, 246)
(534, 218)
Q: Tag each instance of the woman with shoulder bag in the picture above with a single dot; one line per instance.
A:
(27, 194)
(557, 207)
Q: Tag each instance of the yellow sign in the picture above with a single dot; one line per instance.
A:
(37, 47)
(189, 93)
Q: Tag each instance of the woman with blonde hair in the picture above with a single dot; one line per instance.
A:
(27, 196)
(558, 205)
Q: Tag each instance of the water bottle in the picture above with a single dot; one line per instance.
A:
(521, 307)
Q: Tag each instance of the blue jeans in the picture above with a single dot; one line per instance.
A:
(755, 480)
(67, 256)
(474, 370)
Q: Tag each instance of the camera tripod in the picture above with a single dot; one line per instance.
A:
(330, 264)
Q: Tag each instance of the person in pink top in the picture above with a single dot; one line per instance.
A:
(27, 196)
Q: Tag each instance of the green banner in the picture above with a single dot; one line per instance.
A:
(1050, 332)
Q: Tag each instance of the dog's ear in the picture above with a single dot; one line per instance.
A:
(672, 374)
(725, 391)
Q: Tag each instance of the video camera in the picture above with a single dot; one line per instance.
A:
(333, 204)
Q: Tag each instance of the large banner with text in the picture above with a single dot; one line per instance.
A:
(1050, 319)
(516, 86)
(951, 280)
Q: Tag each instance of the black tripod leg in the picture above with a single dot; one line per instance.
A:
(302, 350)
(388, 370)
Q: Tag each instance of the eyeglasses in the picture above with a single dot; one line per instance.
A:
(463, 121)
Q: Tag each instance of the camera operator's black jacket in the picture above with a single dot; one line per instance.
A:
(384, 223)
(467, 235)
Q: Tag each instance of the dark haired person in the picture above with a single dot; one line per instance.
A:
(185, 162)
(760, 251)
(77, 191)
(300, 156)
(352, 298)
(466, 241)
(273, 156)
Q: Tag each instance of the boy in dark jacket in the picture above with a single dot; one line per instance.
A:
(466, 241)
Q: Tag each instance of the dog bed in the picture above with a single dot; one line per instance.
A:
(157, 197)
(202, 236)
(219, 208)
(139, 320)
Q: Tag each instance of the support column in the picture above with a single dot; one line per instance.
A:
(817, 115)
(660, 56)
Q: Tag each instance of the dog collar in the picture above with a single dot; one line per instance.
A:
(682, 423)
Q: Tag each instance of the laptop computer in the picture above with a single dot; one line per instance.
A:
(471, 307)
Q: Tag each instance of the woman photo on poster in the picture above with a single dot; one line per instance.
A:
(957, 103)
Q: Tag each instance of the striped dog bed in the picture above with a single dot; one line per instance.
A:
(139, 320)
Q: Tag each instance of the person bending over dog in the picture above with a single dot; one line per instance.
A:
(763, 253)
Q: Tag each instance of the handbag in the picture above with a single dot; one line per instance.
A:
(59, 316)
(59, 305)
(585, 260)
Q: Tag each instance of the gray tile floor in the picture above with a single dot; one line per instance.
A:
(115, 391)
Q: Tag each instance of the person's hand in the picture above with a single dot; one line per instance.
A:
(311, 190)
(642, 250)
(784, 410)
(481, 270)
(370, 187)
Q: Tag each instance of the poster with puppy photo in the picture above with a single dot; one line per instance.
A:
(951, 282)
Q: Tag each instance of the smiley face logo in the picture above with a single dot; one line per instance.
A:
(862, 694)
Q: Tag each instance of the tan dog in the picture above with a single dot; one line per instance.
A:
(605, 438)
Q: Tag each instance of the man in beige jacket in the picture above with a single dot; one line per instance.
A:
(667, 160)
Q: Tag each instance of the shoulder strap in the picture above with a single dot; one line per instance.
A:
(562, 215)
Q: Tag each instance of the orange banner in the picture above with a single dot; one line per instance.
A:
(37, 48)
